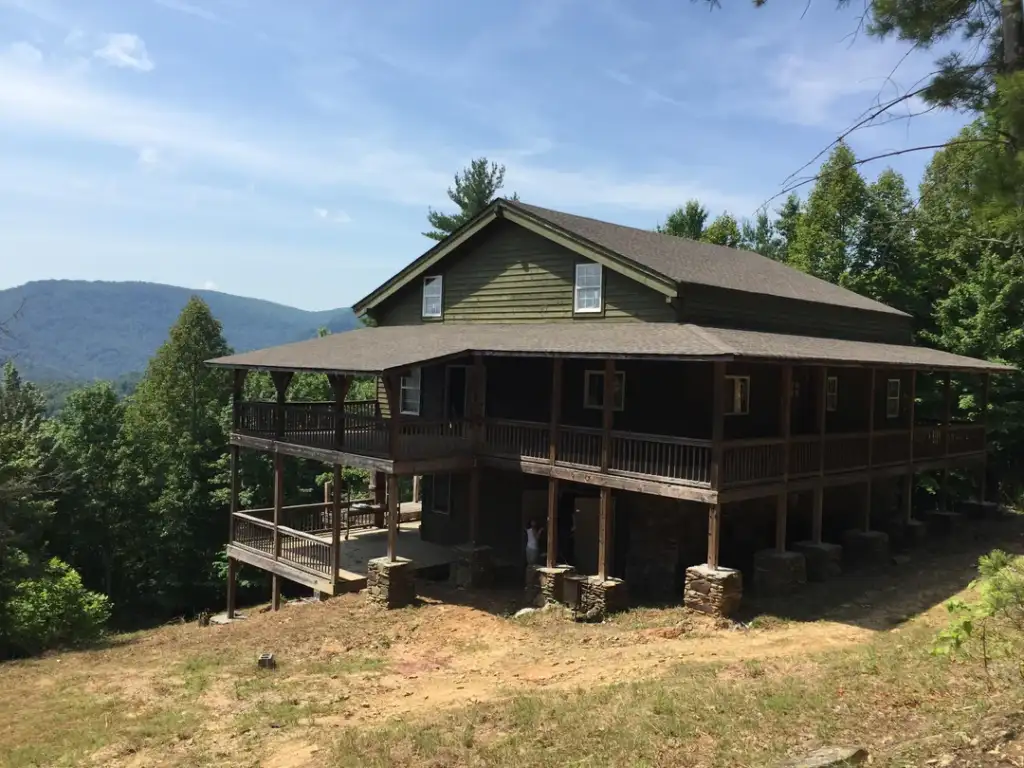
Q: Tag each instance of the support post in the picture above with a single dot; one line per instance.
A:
(866, 522)
(817, 522)
(552, 558)
(556, 409)
(340, 385)
(233, 452)
(392, 387)
(237, 390)
(607, 413)
(785, 428)
(717, 424)
(908, 482)
(278, 504)
(714, 533)
(281, 381)
(780, 521)
(417, 493)
(947, 396)
(336, 523)
(477, 378)
(983, 417)
(232, 586)
(392, 516)
(816, 514)
(605, 537)
(474, 506)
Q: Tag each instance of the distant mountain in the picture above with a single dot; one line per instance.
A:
(75, 329)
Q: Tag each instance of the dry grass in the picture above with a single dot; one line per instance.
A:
(446, 684)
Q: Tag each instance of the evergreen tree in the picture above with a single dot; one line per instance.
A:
(687, 221)
(827, 232)
(760, 236)
(786, 225)
(475, 187)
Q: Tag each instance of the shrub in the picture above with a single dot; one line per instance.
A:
(54, 610)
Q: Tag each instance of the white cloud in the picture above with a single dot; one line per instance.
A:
(23, 54)
(209, 285)
(125, 50)
(190, 9)
(337, 217)
(150, 158)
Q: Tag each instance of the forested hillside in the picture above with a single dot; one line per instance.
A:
(67, 330)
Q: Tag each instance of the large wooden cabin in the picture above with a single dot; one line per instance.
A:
(759, 419)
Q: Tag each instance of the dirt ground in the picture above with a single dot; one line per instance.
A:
(188, 695)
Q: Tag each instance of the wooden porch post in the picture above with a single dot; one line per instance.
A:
(871, 448)
(340, 385)
(717, 438)
(336, 523)
(474, 505)
(476, 375)
(417, 492)
(278, 504)
(392, 387)
(605, 537)
(947, 396)
(819, 488)
(908, 481)
(392, 516)
(281, 381)
(983, 417)
(554, 419)
(233, 508)
(785, 428)
(237, 390)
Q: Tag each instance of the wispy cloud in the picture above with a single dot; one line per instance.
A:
(336, 217)
(190, 9)
(22, 54)
(125, 50)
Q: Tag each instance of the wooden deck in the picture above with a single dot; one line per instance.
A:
(661, 464)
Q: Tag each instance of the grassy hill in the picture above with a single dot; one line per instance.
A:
(78, 330)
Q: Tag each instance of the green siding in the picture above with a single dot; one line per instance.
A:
(509, 274)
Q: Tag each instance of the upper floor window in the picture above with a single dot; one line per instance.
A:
(409, 397)
(432, 292)
(593, 390)
(832, 393)
(892, 398)
(737, 395)
(587, 289)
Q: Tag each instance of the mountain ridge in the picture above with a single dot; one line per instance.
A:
(102, 329)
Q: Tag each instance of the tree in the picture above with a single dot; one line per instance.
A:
(786, 225)
(687, 221)
(724, 230)
(760, 236)
(826, 235)
(173, 441)
(475, 187)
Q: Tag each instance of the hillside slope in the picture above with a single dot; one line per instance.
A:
(75, 329)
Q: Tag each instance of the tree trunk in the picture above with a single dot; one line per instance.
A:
(1013, 34)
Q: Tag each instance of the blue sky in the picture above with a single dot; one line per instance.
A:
(290, 150)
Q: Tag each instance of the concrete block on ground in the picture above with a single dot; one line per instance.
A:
(551, 583)
(866, 547)
(823, 560)
(473, 567)
(778, 573)
(391, 584)
(715, 591)
(599, 597)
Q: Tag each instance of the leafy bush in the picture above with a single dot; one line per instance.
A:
(992, 626)
(54, 610)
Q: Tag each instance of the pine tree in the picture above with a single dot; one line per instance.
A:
(475, 187)
(760, 236)
(786, 224)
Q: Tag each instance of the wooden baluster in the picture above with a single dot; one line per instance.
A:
(983, 418)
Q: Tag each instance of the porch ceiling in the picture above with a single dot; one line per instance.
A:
(375, 350)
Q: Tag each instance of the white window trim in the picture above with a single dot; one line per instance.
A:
(892, 400)
(737, 407)
(832, 394)
(587, 375)
(433, 495)
(412, 383)
(439, 281)
(576, 288)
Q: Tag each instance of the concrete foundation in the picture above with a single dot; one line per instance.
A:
(866, 547)
(716, 591)
(822, 560)
(601, 596)
(473, 567)
(551, 583)
(778, 573)
(391, 584)
(942, 523)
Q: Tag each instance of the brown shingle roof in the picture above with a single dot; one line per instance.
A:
(691, 261)
(373, 350)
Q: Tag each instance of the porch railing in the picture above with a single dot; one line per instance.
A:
(676, 458)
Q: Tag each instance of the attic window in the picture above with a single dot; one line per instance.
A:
(432, 291)
(587, 289)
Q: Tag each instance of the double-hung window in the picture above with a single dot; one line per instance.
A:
(892, 399)
(593, 390)
(587, 289)
(737, 395)
(832, 393)
(409, 397)
(432, 296)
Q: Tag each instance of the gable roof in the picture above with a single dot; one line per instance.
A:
(661, 261)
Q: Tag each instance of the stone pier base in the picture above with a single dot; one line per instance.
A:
(391, 584)
(473, 566)
(601, 596)
(978, 510)
(551, 582)
(915, 532)
(716, 591)
(942, 523)
(778, 573)
(866, 547)
(823, 561)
